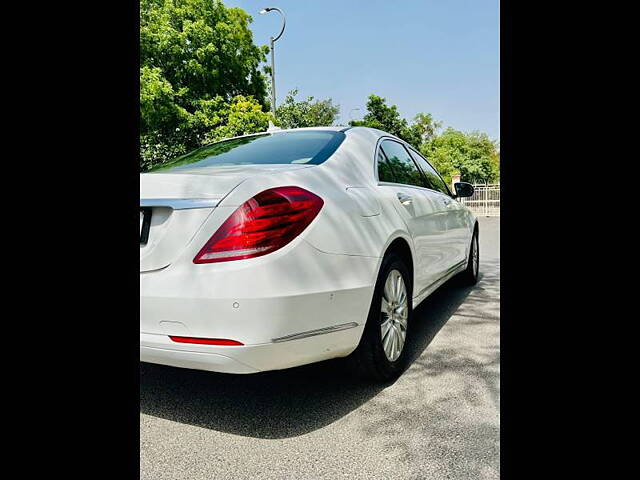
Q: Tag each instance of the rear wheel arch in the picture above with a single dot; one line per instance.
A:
(401, 247)
(370, 359)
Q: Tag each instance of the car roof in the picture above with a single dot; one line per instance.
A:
(332, 129)
(375, 131)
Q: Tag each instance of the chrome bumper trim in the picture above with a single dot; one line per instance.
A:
(313, 333)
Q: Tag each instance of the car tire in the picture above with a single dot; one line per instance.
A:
(470, 275)
(373, 359)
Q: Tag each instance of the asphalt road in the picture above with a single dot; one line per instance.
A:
(439, 420)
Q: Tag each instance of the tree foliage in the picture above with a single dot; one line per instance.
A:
(425, 128)
(202, 48)
(474, 155)
(306, 113)
(199, 76)
(387, 118)
(242, 116)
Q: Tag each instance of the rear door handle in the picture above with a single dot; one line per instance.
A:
(404, 199)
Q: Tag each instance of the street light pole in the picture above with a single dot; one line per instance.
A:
(273, 78)
(273, 61)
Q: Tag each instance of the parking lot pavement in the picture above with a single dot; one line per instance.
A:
(439, 420)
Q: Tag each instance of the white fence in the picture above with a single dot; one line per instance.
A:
(485, 200)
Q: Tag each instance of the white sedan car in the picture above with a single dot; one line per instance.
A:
(284, 248)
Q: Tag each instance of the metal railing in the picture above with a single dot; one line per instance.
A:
(485, 200)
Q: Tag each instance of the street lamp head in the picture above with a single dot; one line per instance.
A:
(273, 47)
(284, 21)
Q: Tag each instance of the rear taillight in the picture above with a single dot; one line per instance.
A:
(262, 225)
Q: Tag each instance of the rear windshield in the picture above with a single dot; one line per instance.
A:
(302, 147)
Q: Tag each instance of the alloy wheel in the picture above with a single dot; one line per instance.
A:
(476, 256)
(395, 314)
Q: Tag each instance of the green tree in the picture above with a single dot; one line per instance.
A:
(474, 155)
(387, 118)
(159, 110)
(199, 69)
(495, 165)
(306, 113)
(243, 116)
(202, 48)
(425, 127)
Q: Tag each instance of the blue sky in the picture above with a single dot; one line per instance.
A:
(436, 56)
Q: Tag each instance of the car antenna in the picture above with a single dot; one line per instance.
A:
(272, 127)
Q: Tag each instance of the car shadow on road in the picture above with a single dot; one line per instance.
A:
(285, 403)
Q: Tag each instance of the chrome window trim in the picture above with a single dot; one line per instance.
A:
(435, 170)
(405, 185)
(391, 184)
(375, 162)
(180, 203)
(406, 145)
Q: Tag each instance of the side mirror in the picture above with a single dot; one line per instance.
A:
(463, 189)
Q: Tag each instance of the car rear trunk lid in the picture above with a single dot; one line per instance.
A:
(173, 207)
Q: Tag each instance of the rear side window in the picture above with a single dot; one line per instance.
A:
(297, 147)
(385, 174)
(433, 177)
(401, 164)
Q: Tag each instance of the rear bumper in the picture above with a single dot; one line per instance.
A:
(249, 358)
(282, 307)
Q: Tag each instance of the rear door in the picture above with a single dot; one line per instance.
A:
(403, 183)
(457, 221)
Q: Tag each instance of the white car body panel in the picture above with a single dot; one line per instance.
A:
(305, 302)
